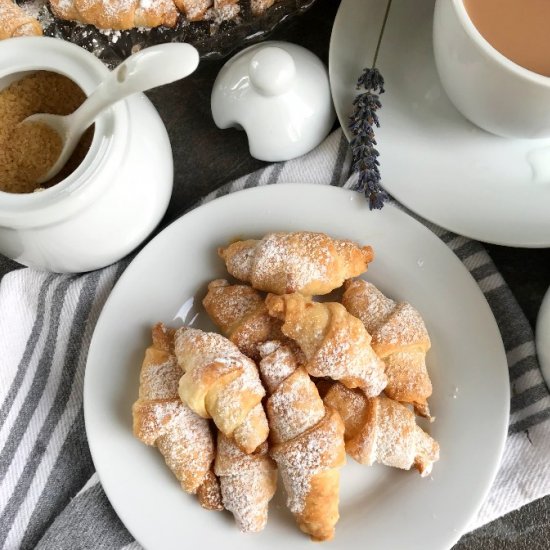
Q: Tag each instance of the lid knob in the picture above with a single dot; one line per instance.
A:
(271, 71)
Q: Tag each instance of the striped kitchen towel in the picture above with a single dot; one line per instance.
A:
(50, 497)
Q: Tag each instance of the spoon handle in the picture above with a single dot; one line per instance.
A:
(146, 69)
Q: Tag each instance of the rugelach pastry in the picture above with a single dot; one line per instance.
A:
(241, 314)
(382, 430)
(162, 420)
(335, 343)
(15, 22)
(304, 262)
(306, 441)
(399, 338)
(248, 482)
(117, 14)
(221, 383)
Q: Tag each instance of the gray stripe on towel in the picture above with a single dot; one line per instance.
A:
(526, 364)
(483, 271)
(29, 349)
(87, 523)
(275, 173)
(71, 471)
(529, 422)
(253, 179)
(510, 318)
(39, 382)
(70, 363)
(528, 397)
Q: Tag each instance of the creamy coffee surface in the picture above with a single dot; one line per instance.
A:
(518, 29)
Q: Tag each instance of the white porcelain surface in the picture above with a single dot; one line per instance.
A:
(147, 68)
(381, 508)
(433, 160)
(279, 94)
(543, 337)
(486, 87)
(113, 200)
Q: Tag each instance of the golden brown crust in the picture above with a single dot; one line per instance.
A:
(382, 430)
(316, 508)
(259, 6)
(335, 343)
(194, 10)
(162, 420)
(304, 262)
(400, 339)
(248, 482)
(15, 22)
(241, 314)
(117, 14)
(221, 383)
(307, 441)
(209, 493)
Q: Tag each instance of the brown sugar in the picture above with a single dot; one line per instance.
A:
(28, 150)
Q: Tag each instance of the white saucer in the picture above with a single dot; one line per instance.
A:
(543, 337)
(433, 160)
(380, 508)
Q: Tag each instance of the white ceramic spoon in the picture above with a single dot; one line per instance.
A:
(146, 69)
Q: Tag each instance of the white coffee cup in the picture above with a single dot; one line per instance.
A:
(491, 91)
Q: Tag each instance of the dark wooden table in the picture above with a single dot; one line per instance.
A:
(206, 157)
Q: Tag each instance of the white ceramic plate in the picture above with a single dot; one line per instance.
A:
(432, 159)
(381, 508)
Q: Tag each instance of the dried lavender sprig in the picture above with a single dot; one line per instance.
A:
(361, 124)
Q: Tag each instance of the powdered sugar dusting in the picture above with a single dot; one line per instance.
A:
(288, 262)
(404, 327)
(247, 483)
(339, 348)
(161, 419)
(187, 447)
(363, 300)
(160, 380)
(218, 15)
(302, 458)
(233, 403)
(242, 315)
(294, 407)
(387, 321)
(228, 304)
(207, 358)
(306, 438)
(302, 260)
(277, 364)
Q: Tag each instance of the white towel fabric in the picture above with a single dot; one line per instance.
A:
(49, 494)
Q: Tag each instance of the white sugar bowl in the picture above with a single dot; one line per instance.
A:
(115, 197)
(279, 94)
